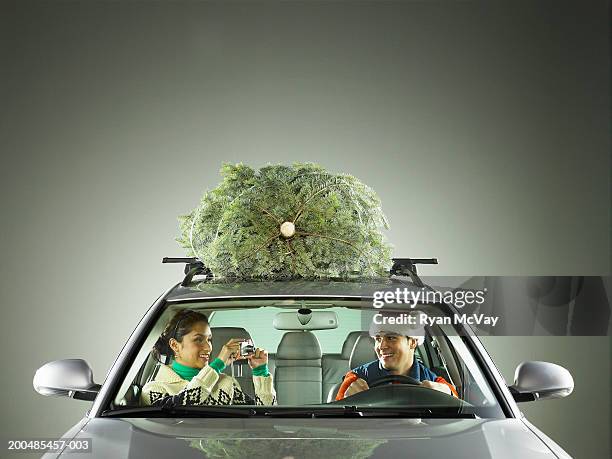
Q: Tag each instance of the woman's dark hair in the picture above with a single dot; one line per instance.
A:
(181, 324)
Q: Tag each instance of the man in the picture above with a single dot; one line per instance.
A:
(394, 346)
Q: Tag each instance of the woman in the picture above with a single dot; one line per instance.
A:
(192, 379)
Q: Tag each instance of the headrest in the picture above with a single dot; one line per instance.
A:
(298, 346)
(221, 335)
(349, 342)
(363, 351)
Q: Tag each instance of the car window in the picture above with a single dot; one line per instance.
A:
(310, 365)
(259, 321)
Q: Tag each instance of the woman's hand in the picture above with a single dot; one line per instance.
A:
(230, 351)
(257, 358)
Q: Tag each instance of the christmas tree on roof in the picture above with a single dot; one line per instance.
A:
(283, 222)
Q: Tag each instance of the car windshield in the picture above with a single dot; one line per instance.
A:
(299, 354)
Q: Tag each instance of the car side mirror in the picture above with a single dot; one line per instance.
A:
(68, 378)
(541, 380)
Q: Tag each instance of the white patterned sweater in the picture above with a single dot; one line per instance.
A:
(206, 388)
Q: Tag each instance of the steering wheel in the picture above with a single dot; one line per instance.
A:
(408, 392)
(401, 379)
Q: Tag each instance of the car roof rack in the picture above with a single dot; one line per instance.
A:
(407, 267)
(193, 267)
(401, 267)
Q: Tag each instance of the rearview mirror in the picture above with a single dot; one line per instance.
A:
(67, 378)
(541, 380)
(305, 319)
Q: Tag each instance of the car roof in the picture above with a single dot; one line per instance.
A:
(355, 287)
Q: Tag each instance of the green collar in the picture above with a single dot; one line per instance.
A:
(184, 371)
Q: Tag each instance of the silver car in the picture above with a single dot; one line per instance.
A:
(315, 332)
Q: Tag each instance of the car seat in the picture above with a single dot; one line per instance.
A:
(298, 369)
(335, 366)
(363, 352)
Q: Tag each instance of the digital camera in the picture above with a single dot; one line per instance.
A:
(247, 348)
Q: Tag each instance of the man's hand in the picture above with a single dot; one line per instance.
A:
(359, 385)
(437, 386)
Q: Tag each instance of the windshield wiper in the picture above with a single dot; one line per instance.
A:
(190, 411)
(287, 412)
(359, 411)
(315, 412)
(437, 412)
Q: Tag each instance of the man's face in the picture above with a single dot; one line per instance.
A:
(394, 351)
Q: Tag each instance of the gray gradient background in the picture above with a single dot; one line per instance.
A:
(484, 127)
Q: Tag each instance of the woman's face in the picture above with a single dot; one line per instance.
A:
(195, 347)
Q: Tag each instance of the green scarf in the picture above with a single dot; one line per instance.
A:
(183, 371)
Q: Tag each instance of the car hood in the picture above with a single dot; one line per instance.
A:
(311, 438)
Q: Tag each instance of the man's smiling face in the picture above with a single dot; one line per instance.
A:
(395, 352)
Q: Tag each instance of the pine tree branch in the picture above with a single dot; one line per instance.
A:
(303, 206)
(292, 256)
(270, 214)
(302, 233)
(257, 249)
